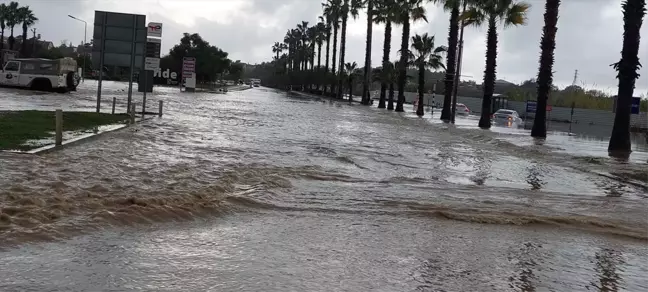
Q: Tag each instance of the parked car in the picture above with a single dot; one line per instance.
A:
(507, 118)
(462, 110)
(58, 75)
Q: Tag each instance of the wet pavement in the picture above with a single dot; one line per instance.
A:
(262, 191)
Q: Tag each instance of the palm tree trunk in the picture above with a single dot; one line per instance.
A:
(402, 70)
(333, 63)
(367, 69)
(23, 44)
(385, 61)
(319, 64)
(489, 74)
(421, 90)
(12, 40)
(350, 90)
(390, 100)
(2, 39)
(328, 49)
(633, 13)
(545, 78)
(446, 113)
(342, 53)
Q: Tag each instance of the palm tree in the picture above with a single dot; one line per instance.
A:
(332, 12)
(425, 56)
(320, 37)
(4, 17)
(302, 28)
(627, 67)
(367, 68)
(453, 35)
(327, 35)
(509, 13)
(387, 74)
(277, 49)
(350, 7)
(409, 10)
(545, 78)
(12, 21)
(350, 72)
(385, 13)
(27, 17)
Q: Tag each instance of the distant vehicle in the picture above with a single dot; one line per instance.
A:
(462, 110)
(507, 118)
(255, 82)
(58, 75)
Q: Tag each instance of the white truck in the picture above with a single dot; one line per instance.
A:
(58, 75)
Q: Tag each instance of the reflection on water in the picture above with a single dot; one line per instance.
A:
(271, 192)
(534, 177)
(607, 268)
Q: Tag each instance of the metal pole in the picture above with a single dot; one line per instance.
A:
(85, 33)
(113, 106)
(132, 64)
(58, 127)
(85, 55)
(132, 114)
(433, 97)
(160, 108)
(458, 71)
(101, 60)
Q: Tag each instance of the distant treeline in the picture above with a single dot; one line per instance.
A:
(527, 90)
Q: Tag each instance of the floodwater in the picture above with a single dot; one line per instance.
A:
(259, 190)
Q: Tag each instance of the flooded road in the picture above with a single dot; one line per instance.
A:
(262, 191)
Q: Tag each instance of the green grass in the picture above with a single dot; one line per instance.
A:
(639, 175)
(18, 127)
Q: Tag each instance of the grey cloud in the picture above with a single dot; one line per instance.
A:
(586, 41)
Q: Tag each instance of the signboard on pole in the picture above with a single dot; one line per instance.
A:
(154, 29)
(151, 58)
(151, 63)
(153, 49)
(531, 106)
(188, 66)
(636, 102)
(118, 42)
(189, 73)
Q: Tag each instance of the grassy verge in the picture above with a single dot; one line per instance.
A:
(18, 127)
(638, 175)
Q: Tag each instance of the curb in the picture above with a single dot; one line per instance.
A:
(75, 141)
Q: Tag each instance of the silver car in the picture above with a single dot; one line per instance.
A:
(462, 110)
(507, 118)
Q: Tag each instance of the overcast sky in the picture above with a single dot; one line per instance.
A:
(589, 35)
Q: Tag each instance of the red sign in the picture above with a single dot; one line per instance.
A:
(548, 108)
(188, 66)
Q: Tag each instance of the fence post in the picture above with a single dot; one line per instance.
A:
(132, 114)
(58, 140)
(113, 106)
(160, 108)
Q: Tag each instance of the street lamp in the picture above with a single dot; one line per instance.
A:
(85, 31)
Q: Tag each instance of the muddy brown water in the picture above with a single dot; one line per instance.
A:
(262, 191)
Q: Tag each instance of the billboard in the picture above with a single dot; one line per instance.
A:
(117, 37)
(118, 40)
